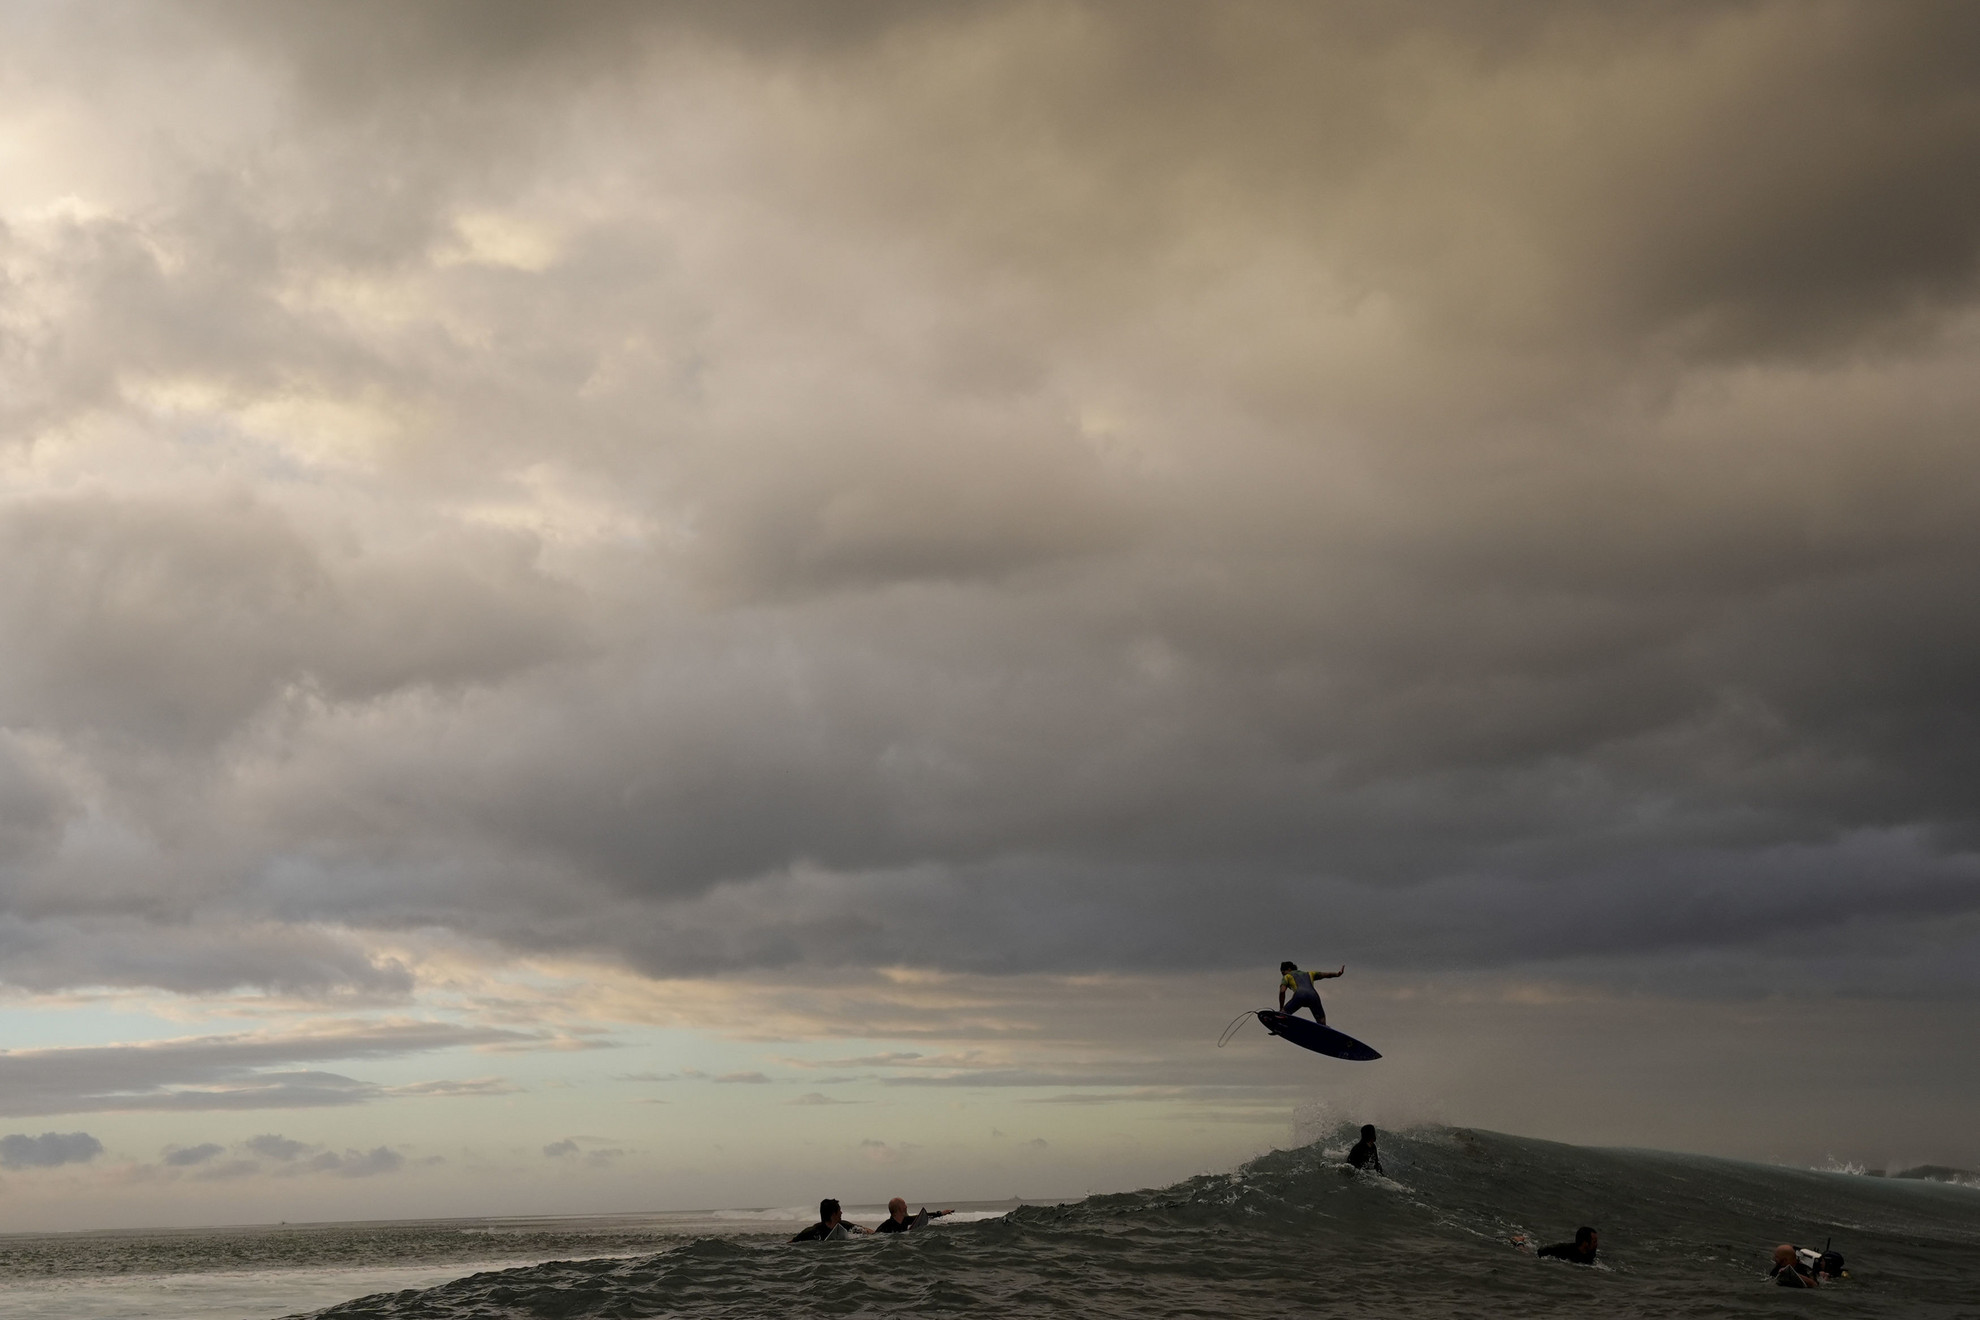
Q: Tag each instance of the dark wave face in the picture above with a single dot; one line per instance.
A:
(1297, 1233)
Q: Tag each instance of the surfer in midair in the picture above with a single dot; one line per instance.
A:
(1291, 978)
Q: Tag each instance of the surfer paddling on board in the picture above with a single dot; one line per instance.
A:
(1303, 993)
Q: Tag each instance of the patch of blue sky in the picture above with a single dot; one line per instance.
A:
(28, 1026)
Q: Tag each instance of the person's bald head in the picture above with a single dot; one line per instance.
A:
(897, 1208)
(1784, 1254)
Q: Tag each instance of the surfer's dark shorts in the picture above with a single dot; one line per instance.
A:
(1301, 1000)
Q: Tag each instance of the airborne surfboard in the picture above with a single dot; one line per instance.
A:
(1313, 1036)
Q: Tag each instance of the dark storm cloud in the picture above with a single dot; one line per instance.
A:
(1726, 179)
(1003, 486)
(173, 624)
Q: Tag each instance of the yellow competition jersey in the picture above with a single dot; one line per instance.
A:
(1298, 982)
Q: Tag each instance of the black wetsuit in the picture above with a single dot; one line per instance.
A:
(888, 1225)
(1569, 1251)
(1792, 1276)
(1364, 1152)
(819, 1231)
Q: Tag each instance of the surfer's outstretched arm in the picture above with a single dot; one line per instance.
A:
(1327, 976)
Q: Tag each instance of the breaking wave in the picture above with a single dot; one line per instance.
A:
(1296, 1232)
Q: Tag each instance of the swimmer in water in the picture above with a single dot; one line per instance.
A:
(897, 1220)
(831, 1225)
(1581, 1251)
(1364, 1151)
(1788, 1271)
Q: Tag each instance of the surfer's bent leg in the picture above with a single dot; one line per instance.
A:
(1299, 1001)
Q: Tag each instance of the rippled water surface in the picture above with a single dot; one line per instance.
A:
(1292, 1233)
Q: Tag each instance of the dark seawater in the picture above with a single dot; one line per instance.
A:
(252, 1272)
(306, 1246)
(1296, 1233)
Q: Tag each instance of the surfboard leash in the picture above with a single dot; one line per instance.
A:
(1232, 1030)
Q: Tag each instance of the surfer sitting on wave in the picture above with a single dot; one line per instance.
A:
(1303, 993)
(1364, 1150)
(831, 1225)
(897, 1220)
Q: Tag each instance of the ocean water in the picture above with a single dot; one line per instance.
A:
(1290, 1233)
(260, 1271)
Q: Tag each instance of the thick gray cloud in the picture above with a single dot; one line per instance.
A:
(174, 625)
(358, 1163)
(276, 1146)
(291, 1159)
(182, 1157)
(1004, 487)
(200, 955)
(226, 1072)
(48, 1151)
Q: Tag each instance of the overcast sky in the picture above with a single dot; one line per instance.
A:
(908, 554)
